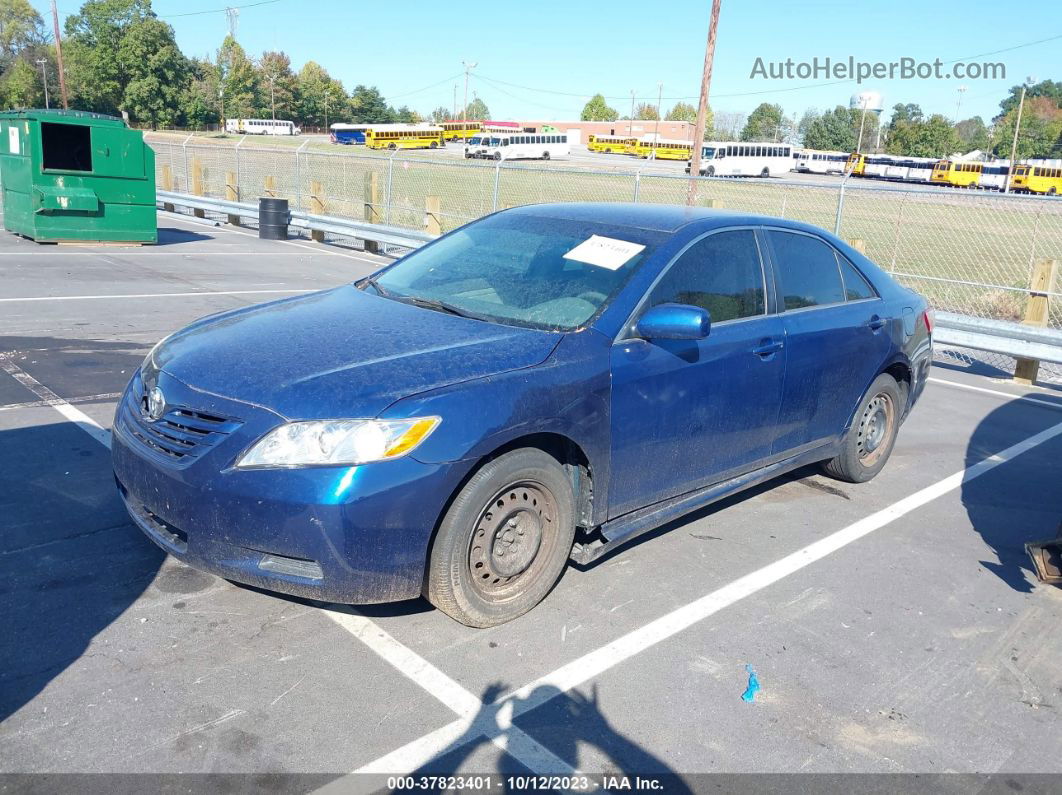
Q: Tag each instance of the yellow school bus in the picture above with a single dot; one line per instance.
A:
(663, 149)
(460, 130)
(611, 144)
(960, 175)
(856, 164)
(404, 136)
(1037, 179)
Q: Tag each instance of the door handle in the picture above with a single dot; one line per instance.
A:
(876, 323)
(767, 347)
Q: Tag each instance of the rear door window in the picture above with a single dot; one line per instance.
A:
(807, 270)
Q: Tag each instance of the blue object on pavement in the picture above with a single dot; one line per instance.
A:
(754, 685)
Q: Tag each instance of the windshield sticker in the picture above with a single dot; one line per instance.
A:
(604, 252)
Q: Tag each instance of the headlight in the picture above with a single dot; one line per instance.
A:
(337, 442)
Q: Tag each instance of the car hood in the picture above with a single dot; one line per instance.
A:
(341, 353)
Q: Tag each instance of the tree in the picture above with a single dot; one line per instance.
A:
(763, 124)
(1051, 89)
(909, 112)
(972, 134)
(646, 112)
(598, 110)
(441, 114)
(477, 110)
(320, 99)
(727, 124)
(21, 29)
(831, 131)
(157, 73)
(682, 111)
(20, 86)
(932, 137)
(97, 75)
(1040, 135)
(238, 80)
(201, 104)
(276, 86)
(368, 105)
(407, 116)
(809, 117)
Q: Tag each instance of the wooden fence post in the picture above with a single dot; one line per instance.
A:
(433, 215)
(859, 245)
(317, 207)
(372, 202)
(197, 184)
(167, 185)
(232, 193)
(270, 186)
(716, 203)
(1036, 313)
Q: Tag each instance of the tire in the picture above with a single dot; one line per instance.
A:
(392, 147)
(545, 155)
(869, 441)
(434, 145)
(497, 156)
(520, 504)
(765, 173)
(1052, 191)
(710, 172)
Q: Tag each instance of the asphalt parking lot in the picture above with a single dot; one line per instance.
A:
(894, 626)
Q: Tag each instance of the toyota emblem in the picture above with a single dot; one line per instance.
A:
(155, 405)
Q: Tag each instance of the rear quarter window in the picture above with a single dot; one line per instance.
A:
(808, 274)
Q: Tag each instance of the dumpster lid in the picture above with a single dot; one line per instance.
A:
(63, 116)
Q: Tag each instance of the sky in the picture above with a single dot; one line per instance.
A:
(544, 59)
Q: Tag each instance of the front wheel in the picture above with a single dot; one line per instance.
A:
(869, 441)
(505, 540)
(497, 156)
(545, 155)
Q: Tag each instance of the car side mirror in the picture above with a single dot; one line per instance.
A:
(674, 322)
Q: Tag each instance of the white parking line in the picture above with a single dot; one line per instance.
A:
(76, 416)
(473, 712)
(999, 392)
(534, 694)
(151, 295)
(36, 404)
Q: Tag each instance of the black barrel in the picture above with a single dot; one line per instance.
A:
(273, 219)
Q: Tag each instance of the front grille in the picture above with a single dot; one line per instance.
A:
(180, 436)
(154, 524)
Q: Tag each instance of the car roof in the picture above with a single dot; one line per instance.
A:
(656, 217)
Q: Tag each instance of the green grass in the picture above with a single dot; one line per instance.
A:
(934, 240)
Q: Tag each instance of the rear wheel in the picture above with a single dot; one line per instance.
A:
(867, 445)
(710, 171)
(504, 541)
(765, 173)
(497, 155)
(545, 155)
(392, 147)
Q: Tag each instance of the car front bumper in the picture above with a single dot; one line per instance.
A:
(354, 535)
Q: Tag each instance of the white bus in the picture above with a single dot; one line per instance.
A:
(261, 127)
(898, 167)
(528, 146)
(814, 161)
(740, 159)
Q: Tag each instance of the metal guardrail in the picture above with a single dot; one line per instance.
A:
(346, 227)
(998, 336)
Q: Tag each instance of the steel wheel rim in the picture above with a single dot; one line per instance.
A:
(512, 539)
(875, 428)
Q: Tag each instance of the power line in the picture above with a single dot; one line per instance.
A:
(217, 10)
(425, 88)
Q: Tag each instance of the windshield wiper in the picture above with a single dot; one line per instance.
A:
(436, 304)
(372, 281)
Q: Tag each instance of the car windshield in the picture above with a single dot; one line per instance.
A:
(513, 269)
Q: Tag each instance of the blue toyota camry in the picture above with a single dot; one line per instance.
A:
(540, 385)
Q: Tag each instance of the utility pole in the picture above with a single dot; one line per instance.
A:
(702, 107)
(59, 56)
(454, 117)
(221, 102)
(630, 119)
(862, 121)
(326, 108)
(958, 104)
(659, 99)
(1014, 143)
(43, 64)
(273, 99)
(468, 68)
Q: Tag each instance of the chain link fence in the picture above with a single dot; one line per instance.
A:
(967, 251)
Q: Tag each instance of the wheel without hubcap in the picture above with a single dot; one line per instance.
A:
(867, 444)
(504, 541)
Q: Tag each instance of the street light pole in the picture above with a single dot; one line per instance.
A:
(958, 103)
(59, 56)
(1014, 142)
(862, 121)
(659, 99)
(43, 64)
(273, 99)
(702, 107)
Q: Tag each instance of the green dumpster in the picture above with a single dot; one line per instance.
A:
(69, 175)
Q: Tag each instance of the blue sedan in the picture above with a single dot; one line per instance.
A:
(543, 384)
